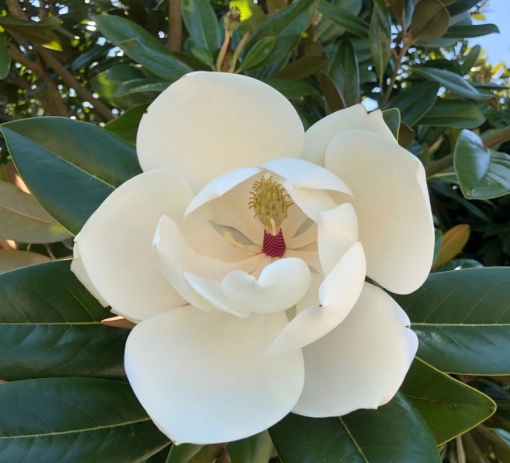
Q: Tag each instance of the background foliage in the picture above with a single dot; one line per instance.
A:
(97, 65)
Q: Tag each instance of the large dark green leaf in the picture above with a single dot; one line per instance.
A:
(254, 449)
(454, 113)
(344, 18)
(141, 46)
(449, 407)
(82, 420)
(287, 25)
(126, 126)
(84, 163)
(380, 38)
(302, 68)
(202, 24)
(394, 433)
(482, 173)
(453, 82)
(344, 71)
(415, 101)
(430, 20)
(50, 325)
(462, 319)
(259, 53)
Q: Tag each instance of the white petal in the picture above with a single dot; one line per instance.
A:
(116, 244)
(362, 363)
(337, 232)
(78, 269)
(208, 123)
(337, 295)
(176, 257)
(392, 206)
(280, 285)
(319, 135)
(204, 377)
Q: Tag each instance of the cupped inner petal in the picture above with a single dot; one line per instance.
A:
(336, 297)
(319, 135)
(337, 232)
(392, 207)
(115, 245)
(208, 123)
(205, 377)
(361, 363)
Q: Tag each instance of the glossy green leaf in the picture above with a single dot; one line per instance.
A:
(85, 164)
(150, 86)
(11, 259)
(461, 6)
(126, 125)
(453, 82)
(454, 113)
(380, 38)
(449, 407)
(395, 432)
(40, 32)
(464, 32)
(183, 453)
(259, 53)
(254, 449)
(344, 18)
(82, 420)
(392, 119)
(430, 20)
(471, 59)
(24, 220)
(302, 68)
(415, 101)
(334, 100)
(344, 72)
(462, 319)
(482, 173)
(287, 25)
(204, 56)
(5, 59)
(291, 88)
(141, 46)
(50, 325)
(202, 24)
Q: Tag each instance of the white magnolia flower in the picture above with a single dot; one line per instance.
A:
(242, 252)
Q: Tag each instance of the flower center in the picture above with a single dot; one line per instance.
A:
(270, 203)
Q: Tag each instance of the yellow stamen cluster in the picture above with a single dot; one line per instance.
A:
(270, 202)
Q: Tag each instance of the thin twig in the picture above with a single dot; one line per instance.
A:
(238, 51)
(174, 25)
(398, 63)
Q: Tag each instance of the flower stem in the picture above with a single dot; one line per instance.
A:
(223, 51)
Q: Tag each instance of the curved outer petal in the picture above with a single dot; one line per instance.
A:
(78, 269)
(360, 364)
(204, 377)
(207, 123)
(115, 244)
(319, 135)
(392, 206)
(337, 295)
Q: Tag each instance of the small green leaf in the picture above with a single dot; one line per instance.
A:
(334, 99)
(204, 56)
(5, 59)
(453, 113)
(464, 32)
(183, 453)
(461, 6)
(380, 38)
(395, 432)
(11, 260)
(24, 220)
(449, 407)
(482, 173)
(254, 449)
(150, 86)
(453, 82)
(202, 24)
(291, 88)
(86, 163)
(471, 59)
(40, 32)
(302, 68)
(392, 119)
(462, 319)
(50, 326)
(344, 18)
(415, 101)
(126, 125)
(259, 53)
(430, 20)
(141, 46)
(344, 71)
(82, 420)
